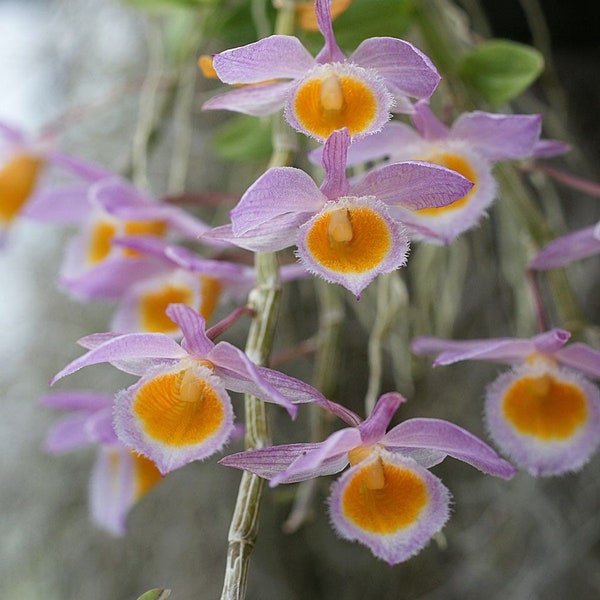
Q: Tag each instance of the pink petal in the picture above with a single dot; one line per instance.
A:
(219, 269)
(86, 170)
(564, 250)
(549, 148)
(405, 69)
(581, 358)
(427, 124)
(300, 392)
(274, 57)
(414, 185)
(109, 279)
(11, 133)
(77, 400)
(335, 152)
(451, 351)
(257, 100)
(193, 328)
(240, 374)
(269, 463)
(331, 453)
(68, 434)
(396, 141)
(133, 345)
(112, 489)
(376, 424)
(442, 436)
(278, 192)
(497, 136)
(330, 51)
(64, 204)
(276, 234)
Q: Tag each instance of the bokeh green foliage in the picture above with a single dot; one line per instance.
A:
(500, 70)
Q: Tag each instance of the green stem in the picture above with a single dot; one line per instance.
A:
(264, 300)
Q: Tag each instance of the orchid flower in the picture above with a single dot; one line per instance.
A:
(387, 500)
(22, 162)
(564, 250)
(179, 411)
(120, 478)
(544, 413)
(188, 279)
(344, 233)
(96, 267)
(327, 92)
(471, 146)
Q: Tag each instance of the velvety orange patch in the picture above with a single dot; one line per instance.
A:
(157, 228)
(146, 475)
(544, 407)
(457, 163)
(101, 241)
(349, 240)
(18, 179)
(211, 289)
(153, 306)
(179, 409)
(324, 105)
(384, 509)
(105, 230)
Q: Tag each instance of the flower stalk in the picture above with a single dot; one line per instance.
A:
(263, 300)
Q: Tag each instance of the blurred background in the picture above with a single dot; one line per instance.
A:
(91, 67)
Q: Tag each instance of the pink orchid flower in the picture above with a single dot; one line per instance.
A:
(23, 161)
(471, 146)
(327, 92)
(120, 478)
(95, 267)
(544, 413)
(179, 411)
(343, 232)
(387, 500)
(187, 278)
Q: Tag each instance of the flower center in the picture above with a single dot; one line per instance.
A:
(210, 289)
(545, 408)
(395, 502)
(153, 306)
(373, 475)
(105, 229)
(349, 240)
(332, 101)
(180, 408)
(17, 181)
(339, 229)
(146, 475)
(457, 163)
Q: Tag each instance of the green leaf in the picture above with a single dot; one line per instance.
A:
(500, 70)
(243, 138)
(156, 594)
